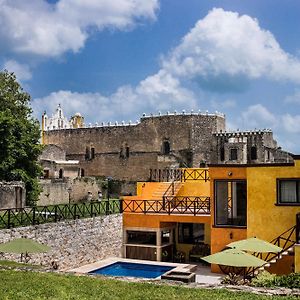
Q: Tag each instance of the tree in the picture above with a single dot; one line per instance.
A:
(19, 137)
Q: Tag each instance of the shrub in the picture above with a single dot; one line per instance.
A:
(264, 279)
(290, 281)
(232, 279)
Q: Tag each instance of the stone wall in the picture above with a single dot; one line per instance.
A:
(73, 243)
(53, 152)
(259, 141)
(12, 194)
(127, 152)
(56, 191)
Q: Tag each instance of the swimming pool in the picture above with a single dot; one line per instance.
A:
(132, 270)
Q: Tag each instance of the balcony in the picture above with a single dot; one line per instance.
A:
(169, 205)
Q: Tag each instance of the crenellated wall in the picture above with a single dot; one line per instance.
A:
(127, 152)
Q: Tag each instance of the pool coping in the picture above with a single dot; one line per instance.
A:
(183, 268)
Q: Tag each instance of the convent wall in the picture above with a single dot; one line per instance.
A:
(127, 152)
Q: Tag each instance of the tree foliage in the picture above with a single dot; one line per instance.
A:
(19, 137)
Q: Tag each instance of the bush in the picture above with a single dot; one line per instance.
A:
(265, 279)
(290, 281)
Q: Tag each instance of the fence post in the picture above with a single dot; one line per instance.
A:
(75, 206)
(8, 219)
(107, 207)
(33, 215)
(121, 205)
(55, 213)
(92, 206)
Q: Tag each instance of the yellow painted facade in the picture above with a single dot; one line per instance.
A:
(265, 218)
(297, 258)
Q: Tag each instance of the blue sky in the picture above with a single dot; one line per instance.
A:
(114, 60)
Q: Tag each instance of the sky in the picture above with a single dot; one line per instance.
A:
(113, 60)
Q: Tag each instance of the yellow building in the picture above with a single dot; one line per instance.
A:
(260, 201)
(177, 220)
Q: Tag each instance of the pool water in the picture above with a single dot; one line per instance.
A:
(132, 270)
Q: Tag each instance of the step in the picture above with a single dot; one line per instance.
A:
(273, 261)
(267, 265)
(261, 268)
(285, 253)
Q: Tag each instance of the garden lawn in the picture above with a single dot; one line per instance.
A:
(34, 285)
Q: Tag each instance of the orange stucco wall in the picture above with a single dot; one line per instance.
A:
(158, 220)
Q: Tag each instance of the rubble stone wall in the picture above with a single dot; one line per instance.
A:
(73, 243)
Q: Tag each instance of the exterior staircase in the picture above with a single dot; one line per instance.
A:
(163, 189)
(286, 241)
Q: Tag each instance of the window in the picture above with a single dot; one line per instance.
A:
(222, 154)
(141, 237)
(92, 153)
(82, 172)
(166, 148)
(233, 154)
(61, 173)
(288, 191)
(87, 153)
(253, 153)
(231, 203)
(190, 233)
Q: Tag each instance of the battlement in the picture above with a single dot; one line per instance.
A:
(238, 133)
(145, 118)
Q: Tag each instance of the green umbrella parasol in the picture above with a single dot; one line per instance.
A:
(255, 245)
(234, 258)
(23, 245)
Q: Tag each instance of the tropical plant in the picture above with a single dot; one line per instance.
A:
(19, 137)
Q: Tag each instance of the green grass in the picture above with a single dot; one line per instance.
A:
(14, 264)
(33, 285)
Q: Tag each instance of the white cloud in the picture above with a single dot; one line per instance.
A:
(226, 46)
(294, 98)
(229, 103)
(21, 71)
(155, 93)
(291, 123)
(44, 29)
(258, 116)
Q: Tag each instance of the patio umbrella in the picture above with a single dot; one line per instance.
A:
(234, 258)
(23, 246)
(255, 245)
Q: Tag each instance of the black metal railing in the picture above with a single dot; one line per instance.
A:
(286, 240)
(18, 217)
(166, 175)
(298, 228)
(170, 205)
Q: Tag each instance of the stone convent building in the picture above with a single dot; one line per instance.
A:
(128, 151)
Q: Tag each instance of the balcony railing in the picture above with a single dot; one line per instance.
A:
(169, 205)
(182, 175)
